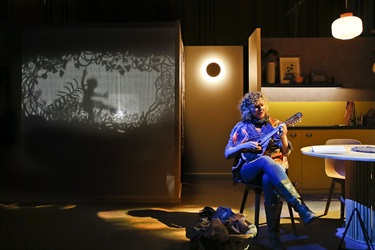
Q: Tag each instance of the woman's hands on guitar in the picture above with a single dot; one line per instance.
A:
(283, 130)
(252, 146)
(284, 138)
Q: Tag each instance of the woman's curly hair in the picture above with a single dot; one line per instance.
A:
(248, 101)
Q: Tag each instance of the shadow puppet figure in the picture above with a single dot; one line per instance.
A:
(88, 103)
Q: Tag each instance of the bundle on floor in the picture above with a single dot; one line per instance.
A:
(220, 229)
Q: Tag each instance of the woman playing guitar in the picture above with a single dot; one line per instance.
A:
(260, 147)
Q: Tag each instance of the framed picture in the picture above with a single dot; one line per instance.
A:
(289, 68)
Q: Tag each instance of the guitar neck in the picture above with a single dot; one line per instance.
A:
(269, 135)
(289, 122)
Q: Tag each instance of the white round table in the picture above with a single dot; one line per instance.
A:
(359, 188)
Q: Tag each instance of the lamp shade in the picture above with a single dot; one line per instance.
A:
(347, 27)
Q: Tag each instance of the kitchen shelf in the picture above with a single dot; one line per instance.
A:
(302, 85)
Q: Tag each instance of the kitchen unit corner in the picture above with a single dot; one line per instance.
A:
(309, 172)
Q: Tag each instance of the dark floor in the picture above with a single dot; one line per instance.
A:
(33, 225)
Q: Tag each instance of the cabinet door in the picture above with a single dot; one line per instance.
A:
(366, 136)
(307, 171)
(294, 159)
(313, 172)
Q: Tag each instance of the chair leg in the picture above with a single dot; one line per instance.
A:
(244, 198)
(257, 209)
(292, 218)
(329, 197)
(342, 200)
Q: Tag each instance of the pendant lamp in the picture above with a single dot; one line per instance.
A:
(347, 26)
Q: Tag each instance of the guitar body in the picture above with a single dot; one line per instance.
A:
(263, 141)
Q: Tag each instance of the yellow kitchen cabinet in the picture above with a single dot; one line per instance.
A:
(309, 171)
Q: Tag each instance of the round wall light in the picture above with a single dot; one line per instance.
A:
(213, 69)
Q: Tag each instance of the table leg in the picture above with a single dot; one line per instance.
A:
(360, 197)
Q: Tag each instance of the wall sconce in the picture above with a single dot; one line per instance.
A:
(347, 26)
(213, 69)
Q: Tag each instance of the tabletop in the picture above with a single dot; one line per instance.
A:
(348, 154)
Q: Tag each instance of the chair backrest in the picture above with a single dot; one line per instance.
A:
(336, 168)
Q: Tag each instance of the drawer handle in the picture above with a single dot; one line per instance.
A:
(293, 135)
(309, 135)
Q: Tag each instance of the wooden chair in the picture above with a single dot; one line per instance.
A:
(258, 190)
(335, 169)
